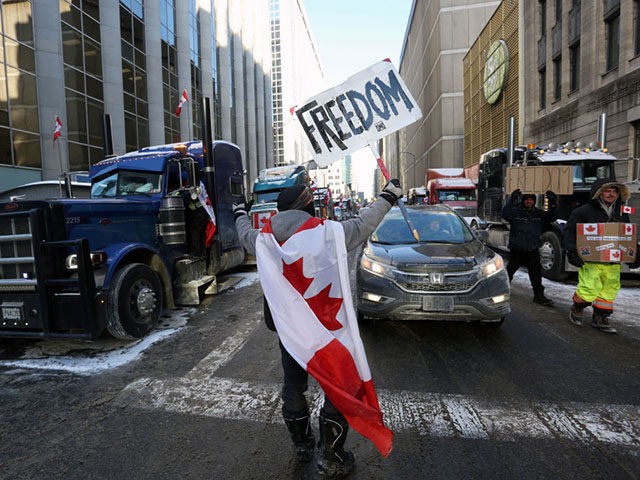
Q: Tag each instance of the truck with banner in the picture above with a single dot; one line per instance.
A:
(267, 187)
(156, 231)
(568, 170)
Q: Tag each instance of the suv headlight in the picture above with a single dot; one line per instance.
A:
(376, 267)
(492, 266)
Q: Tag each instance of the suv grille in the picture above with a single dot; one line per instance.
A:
(436, 281)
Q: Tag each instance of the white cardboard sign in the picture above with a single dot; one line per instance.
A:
(368, 106)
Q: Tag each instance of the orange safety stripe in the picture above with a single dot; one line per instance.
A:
(603, 304)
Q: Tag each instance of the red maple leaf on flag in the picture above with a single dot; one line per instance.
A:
(615, 254)
(325, 307)
(590, 228)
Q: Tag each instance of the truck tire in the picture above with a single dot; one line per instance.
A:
(552, 257)
(135, 302)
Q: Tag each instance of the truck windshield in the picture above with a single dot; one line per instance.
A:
(266, 197)
(456, 195)
(125, 183)
(588, 173)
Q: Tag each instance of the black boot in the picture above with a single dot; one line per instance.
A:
(538, 297)
(302, 436)
(600, 320)
(334, 462)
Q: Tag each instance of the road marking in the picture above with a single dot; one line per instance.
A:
(430, 414)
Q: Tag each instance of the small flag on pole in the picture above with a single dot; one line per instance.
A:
(57, 131)
(183, 99)
(627, 209)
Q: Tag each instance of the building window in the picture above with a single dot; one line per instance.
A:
(170, 92)
(543, 17)
(196, 72)
(636, 27)
(134, 75)
(542, 88)
(612, 30)
(82, 56)
(557, 78)
(558, 11)
(574, 66)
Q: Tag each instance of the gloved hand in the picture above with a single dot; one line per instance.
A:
(392, 191)
(516, 196)
(636, 263)
(239, 209)
(552, 198)
(574, 259)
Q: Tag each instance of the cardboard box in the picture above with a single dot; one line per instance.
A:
(558, 179)
(606, 242)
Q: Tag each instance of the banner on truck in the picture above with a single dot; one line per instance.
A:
(368, 106)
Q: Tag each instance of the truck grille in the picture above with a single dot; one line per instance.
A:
(436, 281)
(466, 211)
(17, 259)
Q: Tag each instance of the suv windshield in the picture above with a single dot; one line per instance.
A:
(124, 182)
(432, 226)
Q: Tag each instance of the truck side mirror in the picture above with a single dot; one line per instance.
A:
(482, 235)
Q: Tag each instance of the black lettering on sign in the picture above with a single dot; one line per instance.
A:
(321, 119)
(394, 91)
(308, 129)
(354, 97)
(383, 110)
(348, 115)
(336, 120)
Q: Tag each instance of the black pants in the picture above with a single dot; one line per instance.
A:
(295, 385)
(531, 260)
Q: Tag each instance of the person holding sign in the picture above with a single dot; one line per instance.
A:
(598, 283)
(302, 265)
(527, 224)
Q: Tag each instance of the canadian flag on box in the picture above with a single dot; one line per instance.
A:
(591, 228)
(607, 242)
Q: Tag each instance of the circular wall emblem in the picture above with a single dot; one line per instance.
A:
(495, 71)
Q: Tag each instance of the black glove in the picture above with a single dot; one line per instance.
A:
(636, 263)
(552, 198)
(574, 259)
(239, 209)
(392, 191)
(516, 196)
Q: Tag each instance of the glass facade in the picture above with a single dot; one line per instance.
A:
(19, 130)
(134, 75)
(195, 99)
(276, 79)
(80, 24)
(169, 70)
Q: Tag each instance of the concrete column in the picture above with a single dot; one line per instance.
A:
(153, 55)
(235, 20)
(224, 67)
(248, 42)
(204, 17)
(184, 67)
(261, 45)
(50, 83)
(112, 71)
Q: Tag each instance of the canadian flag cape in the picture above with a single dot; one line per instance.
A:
(306, 283)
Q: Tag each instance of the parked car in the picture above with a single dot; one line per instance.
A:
(450, 274)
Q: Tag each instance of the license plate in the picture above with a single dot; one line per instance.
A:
(437, 304)
(11, 313)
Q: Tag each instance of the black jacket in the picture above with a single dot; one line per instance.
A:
(526, 225)
(593, 212)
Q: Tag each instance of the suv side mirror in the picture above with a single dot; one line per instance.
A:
(482, 235)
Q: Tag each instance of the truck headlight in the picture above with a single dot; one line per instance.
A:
(375, 267)
(492, 266)
(98, 260)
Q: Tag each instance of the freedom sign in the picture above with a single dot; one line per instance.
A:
(368, 106)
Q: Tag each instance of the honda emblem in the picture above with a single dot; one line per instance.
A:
(436, 278)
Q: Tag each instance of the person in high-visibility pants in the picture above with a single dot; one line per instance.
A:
(598, 283)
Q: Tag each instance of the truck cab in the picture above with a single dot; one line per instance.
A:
(267, 187)
(157, 228)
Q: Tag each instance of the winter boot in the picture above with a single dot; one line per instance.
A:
(601, 322)
(302, 436)
(334, 462)
(542, 300)
(576, 313)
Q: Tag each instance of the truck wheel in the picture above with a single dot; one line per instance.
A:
(552, 257)
(135, 302)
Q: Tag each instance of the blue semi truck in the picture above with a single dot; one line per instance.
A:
(143, 241)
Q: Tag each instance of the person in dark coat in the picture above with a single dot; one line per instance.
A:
(598, 283)
(295, 207)
(527, 224)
